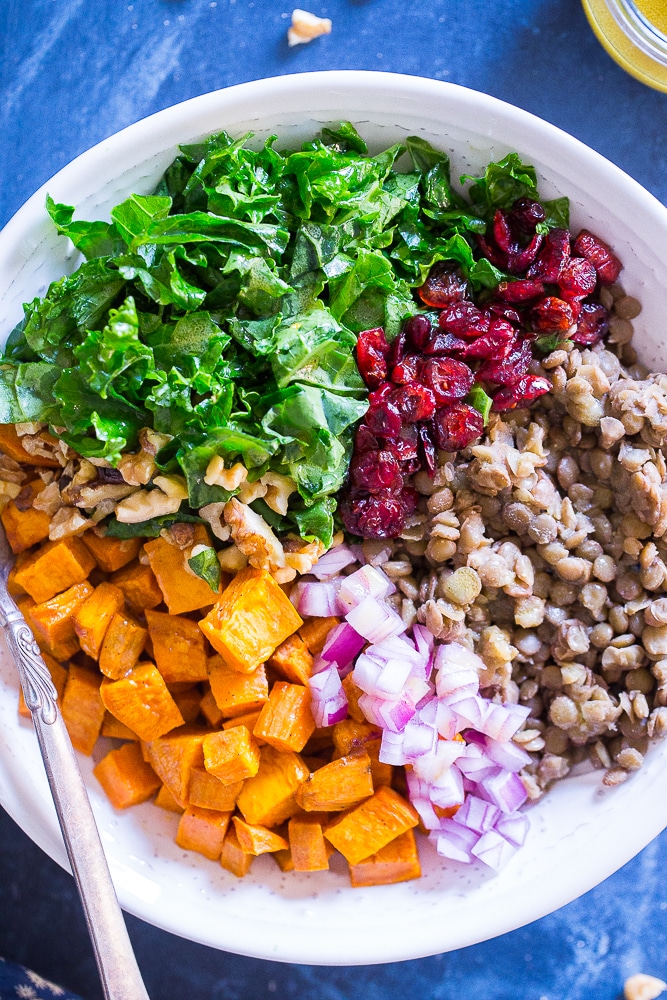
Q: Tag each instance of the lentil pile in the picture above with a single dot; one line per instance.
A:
(543, 547)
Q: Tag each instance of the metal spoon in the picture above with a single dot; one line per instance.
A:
(119, 972)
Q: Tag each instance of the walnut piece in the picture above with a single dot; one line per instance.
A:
(306, 26)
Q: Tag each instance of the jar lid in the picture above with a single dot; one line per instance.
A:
(630, 39)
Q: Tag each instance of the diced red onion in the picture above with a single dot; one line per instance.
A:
(455, 678)
(477, 814)
(513, 827)
(315, 600)
(469, 712)
(453, 654)
(454, 841)
(448, 791)
(434, 766)
(506, 755)
(364, 583)
(379, 678)
(419, 738)
(342, 645)
(476, 766)
(424, 640)
(446, 720)
(504, 788)
(391, 748)
(328, 701)
(393, 715)
(493, 850)
(374, 620)
(333, 561)
(501, 722)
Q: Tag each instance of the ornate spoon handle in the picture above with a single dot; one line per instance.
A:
(121, 979)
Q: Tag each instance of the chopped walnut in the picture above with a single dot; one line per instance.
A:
(67, 521)
(643, 987)
(213, 514)
(228, 479)
(254, 537)
(306, 26)
(278, 491)
(145, 504)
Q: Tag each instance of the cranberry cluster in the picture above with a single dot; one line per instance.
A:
(421, 385)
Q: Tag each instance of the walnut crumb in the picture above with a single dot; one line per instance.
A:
(306, 26)
(643, 987)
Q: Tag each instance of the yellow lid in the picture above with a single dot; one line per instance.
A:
(621, 48)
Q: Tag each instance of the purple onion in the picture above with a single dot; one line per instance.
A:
(342, 645)
(315, 600)
(374, 620)
(454, 841)
(493, 850)
(333, 561)
(477, 814)
(513, 827)
(504, 789)
(364, 583)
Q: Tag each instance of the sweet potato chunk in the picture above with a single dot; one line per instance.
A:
(141, 700)
(206, 791)
(122, 646)
(55, 567)
(366, 828)
(210, 710)
(339, 785)
(309, 850)
(353, 692)
(286, 721)
(59, 678)
(139, 585)
(82, 708)
(397, 861)
(172, 757)
(268, 798)
(251, 618)
(165, 800)
(256, 839)
(314, 632)
(53, 621)
(111, 553)
(293, 660)
(92, 618)
(203, 830)
(248, 719)
(179, 648)
(233, 858)
(182, 590)
(126, 777)
(188, 701)
(25, 526)
(116, 730)
(10, 443)
(350, 735)
(236, 693)
(231, 755)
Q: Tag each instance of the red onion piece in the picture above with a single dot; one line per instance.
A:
(448, 791)
(513, 827)
(506, 755)
(315, 600)
(433, 767)
(328, 701)
(501, 722)
(493, 850)
(382, 679)
(369, 581)
(392, 715)
(454, 841)
(374, 620)
(333, 561)
(342, 645)
(504, 789)
(477, 814)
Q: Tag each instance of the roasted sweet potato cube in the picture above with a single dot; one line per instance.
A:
(231, 755)
(308, 848)
(59, 678)
(173, 757)
(398, 861)
(55, 567)
(257, 839)
(248, 719)
(111, 553)
(206, 791)
(92, 618)
(116, 730)
(165, 800)
(182, 590)
(188, 701)
(122, 646)
(339, 785)
(210, 710)
(11, 444)
(268, 797)
(24, 525)
(12, 586)
(314, 632)
(350, 735)
(139, 585)
(286, 720)
(293, 660)
(365, 829)
(53, 621)
(236, 693)
(82, 708)
(233, 858)
(353, 692)
(126, 777)
(284, 860)
(250, 619)
(141, 700)
(179, 647)
(203, 830)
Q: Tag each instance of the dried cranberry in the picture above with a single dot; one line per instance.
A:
(397, 349)
(418, 330)
(409, 499)
(375, 470)
(605, 262)
(463, 319)
(492, 253)
(444, 284)
(506, 311)
(551, 314)
(496, 344)
(448, 379)
(521, 393)
(519, 291)
(380, 393)
(372, 351)
(445, 343)
(525, 215)
(592, 324)
(427, 448)
(364, 440)
(502, 233)
(414, 402)
(384, 419)
(405, 446)
(521, 259)
(407, 370)
(510, 369)
(577, 279)
(552, 258)
(457, 426)
(411, 466)
(379, 516)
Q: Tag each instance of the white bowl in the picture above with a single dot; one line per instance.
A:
(580, 833)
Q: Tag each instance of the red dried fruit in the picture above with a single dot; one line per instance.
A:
(551, 314)
(407, 370)
(523, 392)
(444, 284)
(525, 215)
(463, 319)
(372, 352)
(521, 259)
(427, 448)
(510, 369)
(445, 343)
(605, 262)
(379, 516)
(492, 253)
(365, 440)
(519, 291)
(409, 499)
(380, 393)
(384, 419)
(457, 426)
(502, 233)
(447, 378)
(506, 311)
(397, 349)
(405, 447)
(497, 343)
(592, 324)
(418, 329)
(414, 402)
(552, 258)
(577, 279)
(375, 471)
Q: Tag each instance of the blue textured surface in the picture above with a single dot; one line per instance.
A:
(73, 72)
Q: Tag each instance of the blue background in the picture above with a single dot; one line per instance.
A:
(74, 71)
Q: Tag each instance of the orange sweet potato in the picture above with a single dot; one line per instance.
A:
(286, 720)
(12, 586)
(111, 553)
(203, 830)
(233, 858)
(252, 617)
(188, 700)
(10, 443)
(53, 621)
(165, 800)
(92, 618)
(54, 567)
(353, 693)
(397, 861)
(309, 850)
(173, 757)
(256, 839)
(179, 647)
(25, 526)
(82, 708)
(116, 730)
(236, 693)
(206, 791)
(350, 735)
(293, 660)
(125, 776)
(58, 676)
(182, 590)
(122, 646)
(139, 585)
(231, 755)
(248, 719)
(268, 797)
(365, 829)
(141, 700)
(314, 632)
(339, 785)
(210, 710)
